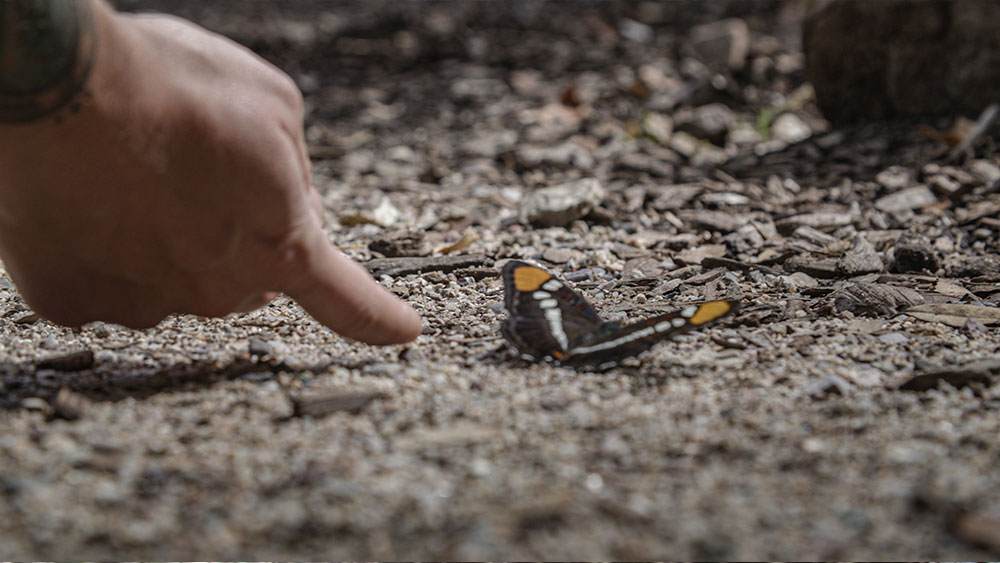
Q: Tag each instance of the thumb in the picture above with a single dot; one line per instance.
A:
(342, 295)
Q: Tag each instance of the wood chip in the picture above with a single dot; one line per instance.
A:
(860, 259)
(459, 434)
(982, 372)
(819, 238)
(642, 268)
(673, 197)
(719, 262)
(819, 220)
(950, 288)
(977, 211)
(338, 401)
(415, 265)
(712, 220)
(984, 289)
(954, 314)
(706, 277)
(816, 267)
(979, 528)
(874, 299)
(75, 361)
(698, 254)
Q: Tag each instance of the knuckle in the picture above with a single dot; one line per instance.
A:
(289, 91)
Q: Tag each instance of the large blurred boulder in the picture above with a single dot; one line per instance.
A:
(878, 59)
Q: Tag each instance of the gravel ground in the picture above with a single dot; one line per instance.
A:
(849, 411)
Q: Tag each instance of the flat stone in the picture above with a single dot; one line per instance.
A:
(723, 44)
(644, 267)
(557, 255)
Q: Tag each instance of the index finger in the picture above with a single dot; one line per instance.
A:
(342, 295)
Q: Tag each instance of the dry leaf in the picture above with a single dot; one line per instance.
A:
(963, 126)
(468, 238)
(356, 219)
(953, 314)
(981, 372)
(950, 288)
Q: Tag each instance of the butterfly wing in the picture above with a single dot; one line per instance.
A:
(611, 343)
(546, 317)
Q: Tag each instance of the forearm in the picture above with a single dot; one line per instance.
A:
(47, 50)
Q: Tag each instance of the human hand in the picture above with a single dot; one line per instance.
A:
(181, 185)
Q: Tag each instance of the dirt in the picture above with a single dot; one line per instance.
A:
(821, 422)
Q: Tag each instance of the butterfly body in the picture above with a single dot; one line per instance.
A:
(547, 319)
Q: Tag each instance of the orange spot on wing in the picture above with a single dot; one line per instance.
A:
(528, 278)
(557, 355)
(710, 311)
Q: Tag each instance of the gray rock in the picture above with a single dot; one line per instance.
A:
(635, 31)
(710, 122)
(903, 200)
(258, 347)
(894, 178)
(684, 143)
(722, 44)
(658, 126)
(790, 128)
(560, 205)
(984, 171)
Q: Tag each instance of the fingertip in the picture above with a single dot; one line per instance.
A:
(342, 295)
(407, 326)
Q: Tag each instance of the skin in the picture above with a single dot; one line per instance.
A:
(150, 167)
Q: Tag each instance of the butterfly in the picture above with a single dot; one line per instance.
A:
(547, 319)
